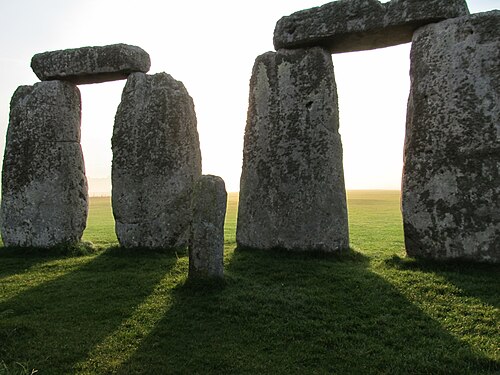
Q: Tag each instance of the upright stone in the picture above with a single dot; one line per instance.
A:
(156, 161)
(451, 177)
(44, 188)
(206, 249)
(355, 25)
(292, 193)
(91, 64)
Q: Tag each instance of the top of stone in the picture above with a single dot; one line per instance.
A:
(91, 64)
(355, 25)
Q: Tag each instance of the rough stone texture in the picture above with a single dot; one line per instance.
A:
(355, 25)
(44, 188)
(156, 161)
(206, 248)
(292, 193)
(451, 178)
(91, 64)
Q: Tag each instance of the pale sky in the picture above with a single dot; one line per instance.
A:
(210, 46)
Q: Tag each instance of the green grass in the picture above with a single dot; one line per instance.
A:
(368, 311)
(100, 224)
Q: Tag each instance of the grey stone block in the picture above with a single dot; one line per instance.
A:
(451, 177)
(355, 25)
(91, 64)
(206, 249)
(292, 192)
(44, 188)
(156, 161)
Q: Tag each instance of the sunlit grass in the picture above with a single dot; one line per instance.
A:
(375, 222)
(370, 311)
(36, 274)
(119, 346)
(100, 224)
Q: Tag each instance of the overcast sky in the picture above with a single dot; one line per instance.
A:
(210, 46)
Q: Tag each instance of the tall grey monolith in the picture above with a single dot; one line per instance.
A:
(44, 188)
(292, 193)
(156, 161)
(206, 245)
(451, 178)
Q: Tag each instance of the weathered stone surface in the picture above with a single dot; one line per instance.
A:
(156, 161)
(355, 25)
(91, 64)
(44, 188)
(206, 247)
(451, 178)
(292, 193)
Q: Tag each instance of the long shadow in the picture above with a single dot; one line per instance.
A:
(294, 314)
(16, 260)
(481, 281)
(55, 325)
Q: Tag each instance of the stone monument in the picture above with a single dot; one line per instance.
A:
(206, 245)
(292, 193)
(451, 177)
(156, 161)
(44, 188)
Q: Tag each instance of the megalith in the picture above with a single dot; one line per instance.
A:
(44, 188)
(156, 161)
(292, 193)
(206, 245)
(356, 25)
(91, 64)
(451, 177)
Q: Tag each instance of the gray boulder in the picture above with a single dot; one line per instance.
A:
(91, 64)
(44, 188)
(451, 177)
(156, 161)
(355, 25)
(292, 193)
(206, 248)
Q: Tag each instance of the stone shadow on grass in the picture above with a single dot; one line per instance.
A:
(53, 326)
(282, 313)
(477, 280)
(14, 260)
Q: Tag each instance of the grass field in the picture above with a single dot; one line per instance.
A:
(371, 311)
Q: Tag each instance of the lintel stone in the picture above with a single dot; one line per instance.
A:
(355, 25)
(91, 64)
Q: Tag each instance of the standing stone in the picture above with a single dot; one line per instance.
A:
(44, 188)
(356, 25)
(91, 64)
(206, 249)
(156, 161)
(451, 177)
(292, 193)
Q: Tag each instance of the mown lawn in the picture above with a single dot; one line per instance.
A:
(371, 311)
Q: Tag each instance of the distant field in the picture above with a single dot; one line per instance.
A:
(375, 222)
(368, 209)
(101, 226)
(370, 311)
